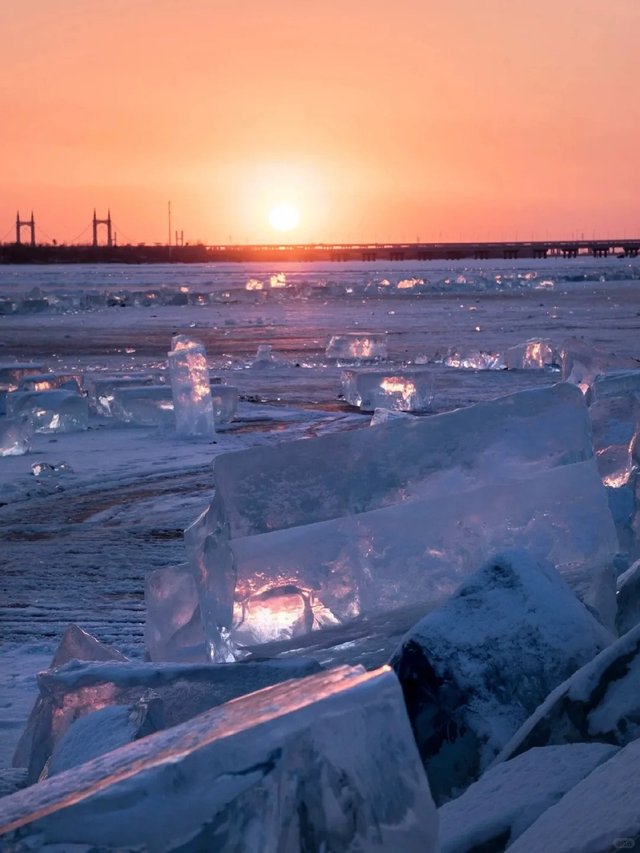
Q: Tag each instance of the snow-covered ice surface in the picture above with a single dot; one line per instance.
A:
(76, 547)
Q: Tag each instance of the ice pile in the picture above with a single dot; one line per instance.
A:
(403, 390)
(190, 385)
(15, 435)
(328, 762)
(318, 532)
(474, 670)
(357, 346)
(50, 411)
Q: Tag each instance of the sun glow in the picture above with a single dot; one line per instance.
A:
(284, 217)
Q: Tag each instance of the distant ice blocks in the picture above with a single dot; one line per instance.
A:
(189, 374)
(323, 763)
(371, 520)
(50, 411)
(15, 435)
(402, 389)
(10, 375)
(357, 346)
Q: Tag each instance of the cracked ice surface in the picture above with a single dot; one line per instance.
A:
(368, 521)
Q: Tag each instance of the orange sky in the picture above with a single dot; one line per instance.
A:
(380, 119)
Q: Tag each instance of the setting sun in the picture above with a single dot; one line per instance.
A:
(284, 217)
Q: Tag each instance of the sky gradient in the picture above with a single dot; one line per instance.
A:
(379, 120)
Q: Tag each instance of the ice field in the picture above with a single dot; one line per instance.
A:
(355, 547)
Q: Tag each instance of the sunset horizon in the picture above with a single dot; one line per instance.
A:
(416, 124)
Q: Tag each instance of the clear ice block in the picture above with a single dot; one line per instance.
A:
(402, 389)
(189, 374)
(371, 520)
(225, 402)
(51, 411)
(15, 435)
(144, 405)
(102, 389)
(357, 346)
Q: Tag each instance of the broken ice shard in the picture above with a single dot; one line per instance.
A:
(50, 411)
(616, 426)
(173, 627)
(324, 763)
(474, 669)
(189, 373)
(371, 520)
(534, 353)
(357, 346)
(103, 731)
(15, 435)
(402, 389)
(381, 416)
(581, 363)
(225, 402)
(144, 405)
(12, 372)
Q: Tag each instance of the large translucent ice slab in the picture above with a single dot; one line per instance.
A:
(173, 626)
(144, 405)
(324, 763)
(79, 688)
(15, 435)
(582, 363)
(357, 346)
(189, 374)
(50, 411)
(475, 669)
(401, 389)
(371, 520)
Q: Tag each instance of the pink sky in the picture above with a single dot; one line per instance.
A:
(498, 119)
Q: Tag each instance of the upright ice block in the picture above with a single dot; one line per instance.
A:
(189, 373)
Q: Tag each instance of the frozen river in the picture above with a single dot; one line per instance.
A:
(77, 547)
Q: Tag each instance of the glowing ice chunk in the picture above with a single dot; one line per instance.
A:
(532, 354)
(102, 389)
(404, 390)
(49, 381)
(360, 346)
(191, 390)
(51, 411)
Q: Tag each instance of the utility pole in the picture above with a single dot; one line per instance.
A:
(169, 214)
